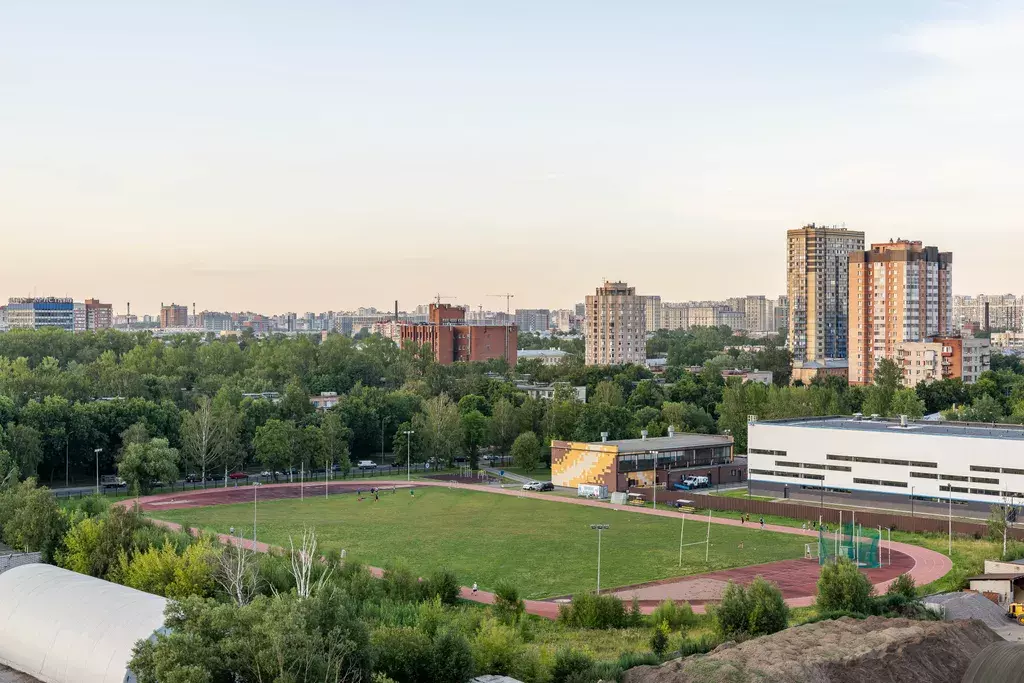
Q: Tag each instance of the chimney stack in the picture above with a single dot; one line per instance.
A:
(671, 430)
(604, 436)
(643, 435)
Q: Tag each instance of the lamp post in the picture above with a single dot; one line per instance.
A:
(599, 528)
(913, 519)
(654, 456)
(255, 488)
(384, 420)
(408, 453)
(97, 451)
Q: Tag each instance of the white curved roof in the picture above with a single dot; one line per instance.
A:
(63, 627)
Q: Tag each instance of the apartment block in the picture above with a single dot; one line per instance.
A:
(533, 319)
(817, 284)
(940, 358)
(616, 326)
(1008, 341)
(452, 340)
(675, 316)
(989, 312)
(652, 311)
(98, 315)
(899, 291)
(173, 316)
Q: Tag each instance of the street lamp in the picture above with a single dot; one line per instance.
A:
(384, 420)
(97, 451)
(408, 453)
(913, 520)
(599, 528)
(654, 456)
(255, 488)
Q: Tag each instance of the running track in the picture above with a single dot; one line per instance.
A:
(796, 577)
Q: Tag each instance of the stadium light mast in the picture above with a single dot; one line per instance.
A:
(599, 528)
(255, 488)
(408, 453)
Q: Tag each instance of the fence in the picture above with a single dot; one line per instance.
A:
(309, 477)
(831, 516)
(12, 560)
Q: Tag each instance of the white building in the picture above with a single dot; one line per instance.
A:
(943, 358)
(652, 311)
(675, 316)
(616, 328)
(1008, 341)
(545, 356)
(547, 391)
(882, 463)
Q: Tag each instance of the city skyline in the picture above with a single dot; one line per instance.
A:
(322, 157)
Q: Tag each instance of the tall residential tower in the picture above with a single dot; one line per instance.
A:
(616, 327)
(900, 291)
(818, 288)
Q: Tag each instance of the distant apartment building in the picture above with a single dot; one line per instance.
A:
(780, 319)
(1008, 341)
(35, 313)
(3, 319)
(325, 401)
(989, 312)
(941, 358)
(758, 314)
(173, 316)
(533, 319)
(452, 340)
(616, 327)
(79, 318)
(545, 356)
(216, 321)
(98, 315)
(675, 316)
(900, 291)
(652, 313)
(714, 314)
(565, 320)
(818, 290)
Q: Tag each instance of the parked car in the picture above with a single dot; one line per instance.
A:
(112, 481)
(531, 486)
(192, 477)
(238, 475)
(366, 465)
(547, 486)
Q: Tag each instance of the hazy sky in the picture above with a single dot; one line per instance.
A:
(313, 155)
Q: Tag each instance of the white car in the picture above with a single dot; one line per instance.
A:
(366, 465)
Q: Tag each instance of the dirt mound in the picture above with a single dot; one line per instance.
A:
(840, 651)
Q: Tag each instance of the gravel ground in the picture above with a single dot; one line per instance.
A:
(8, 675)
(976, 606)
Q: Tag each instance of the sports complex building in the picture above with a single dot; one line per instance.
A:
(888, 463)
(621, 465)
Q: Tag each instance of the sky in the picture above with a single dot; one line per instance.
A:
(322, 155)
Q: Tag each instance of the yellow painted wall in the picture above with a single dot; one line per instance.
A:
(585, 463)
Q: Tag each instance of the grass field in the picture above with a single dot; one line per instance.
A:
(546, 548)
(739, 493)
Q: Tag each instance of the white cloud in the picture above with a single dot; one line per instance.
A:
(994, 42)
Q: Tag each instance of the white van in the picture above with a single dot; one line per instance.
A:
(366, 465)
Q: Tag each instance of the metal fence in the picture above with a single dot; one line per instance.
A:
(831, 516)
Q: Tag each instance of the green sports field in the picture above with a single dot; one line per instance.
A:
(547, 548)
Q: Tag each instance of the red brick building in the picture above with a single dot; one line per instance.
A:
(453, 340)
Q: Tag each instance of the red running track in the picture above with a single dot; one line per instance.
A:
(797, 578)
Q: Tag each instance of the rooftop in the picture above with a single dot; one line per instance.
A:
(540, 353)
(670, 443)
(981, 430)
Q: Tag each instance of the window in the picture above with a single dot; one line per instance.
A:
(838, 468)
(924, 475)
(985, 492)
(954, 489)
(1010, 470)
(979, 468)
(844, 458)
(780, 463)
(764, 451)
(881, 482)
(952, 477)
(984, 480)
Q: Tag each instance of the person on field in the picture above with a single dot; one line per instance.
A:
(474, 588)
(762, 522)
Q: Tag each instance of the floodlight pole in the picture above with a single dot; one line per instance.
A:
(707, 542)
(255, 488)
(682, 526)
(408, 453)
(97, 451)
(599, 528)
(654, 455)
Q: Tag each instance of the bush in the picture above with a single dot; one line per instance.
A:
(841, 586)
(403, 654)
(768, 611)
(496, 649)
(698, 646)
(659, 639)
(568, 662)
(903, 585)
(431, 617)
(732, 615)
(401, 584)
(508, 606)
(594, 611)
(451, 658)
(676, 615)
(443, 584)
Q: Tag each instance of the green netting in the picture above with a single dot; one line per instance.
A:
(858, 545)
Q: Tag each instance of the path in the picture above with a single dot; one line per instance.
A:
(923, 565)
(508, 475)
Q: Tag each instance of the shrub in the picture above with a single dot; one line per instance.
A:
(401, 584)
(568, 662)
(841, 586)
(731, 615)
(699, 645)
(903, 585)
(659, 639)
(451, 658)
(443, 584)
(431, 617)
(496, 649)
(676, 615)
(594, 611)
(401, 653)
(601, 671)
(768, 611)
(508, 606)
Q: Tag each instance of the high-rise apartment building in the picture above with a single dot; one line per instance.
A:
(940, 358)
(675, 316)
(817, 281)
(173, 316)
(98, 316)
(652, 312)
(616, 328)
(989, 312)
(780, 317)
(900, 291)
(533, 319)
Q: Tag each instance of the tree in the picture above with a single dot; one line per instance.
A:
(842, 588)
(475, 429)
(310, 447)
(274, 444)
(504, 425)
(143, 464)
(441, 429)
(24, 443)
(30, 519)
(906, 402)
(202, 437)
(410, 446)
(336, 436)
(731, 617)
(768, 611)
(526, 451)
(609, 394)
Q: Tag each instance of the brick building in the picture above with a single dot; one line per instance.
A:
(173, 316)
(452, 340)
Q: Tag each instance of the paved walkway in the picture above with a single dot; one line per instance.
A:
(925, 565)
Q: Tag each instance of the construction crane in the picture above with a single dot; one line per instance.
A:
(508, 311)
(438, 298)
